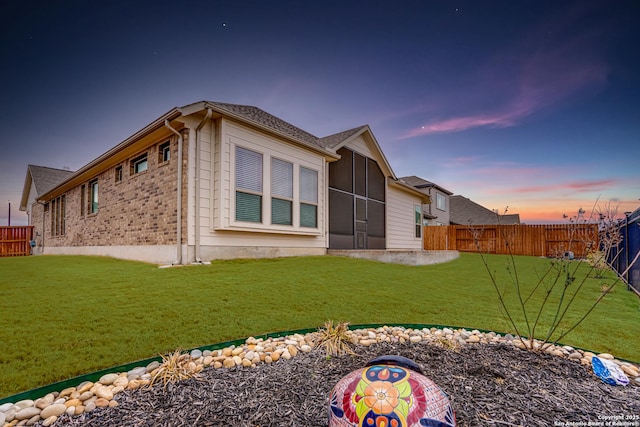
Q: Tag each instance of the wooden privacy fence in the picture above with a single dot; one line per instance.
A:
(534, 240)
(15, 241)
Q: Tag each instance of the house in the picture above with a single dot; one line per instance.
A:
(467, 212)
(434, 213)
(213, 181)
(39, 181)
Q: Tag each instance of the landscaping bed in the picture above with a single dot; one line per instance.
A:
(284, 381)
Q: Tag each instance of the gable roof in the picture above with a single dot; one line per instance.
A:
(44, 179)
(418, 182)
(338, 139)
(247, 114)
(467, 212)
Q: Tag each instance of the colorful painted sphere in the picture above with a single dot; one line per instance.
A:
(390, 391)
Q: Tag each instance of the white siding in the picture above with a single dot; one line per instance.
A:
(218, 227)
(360, 146)
(32, 199)
(401, 220)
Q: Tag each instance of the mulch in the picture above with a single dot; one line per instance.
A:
(489, 385)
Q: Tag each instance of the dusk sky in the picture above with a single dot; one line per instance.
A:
(533, 105)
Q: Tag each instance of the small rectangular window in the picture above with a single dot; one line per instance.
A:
(441, 202)
(164, 152)
(418, 220)
(139, 164)
(93, 189)
(118, 173)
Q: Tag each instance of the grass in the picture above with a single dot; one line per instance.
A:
(68, 315)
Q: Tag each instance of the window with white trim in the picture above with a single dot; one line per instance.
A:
(418, 220)
(248, 185)
(308, 198)
(281, 192)
(441, 202)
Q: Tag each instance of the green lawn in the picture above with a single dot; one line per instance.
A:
(64, 316)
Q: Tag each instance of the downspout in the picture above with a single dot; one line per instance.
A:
(197, 190)
(179, 196)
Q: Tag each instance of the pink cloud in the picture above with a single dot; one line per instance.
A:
(580, 186)
(462, 123)
(550, 74)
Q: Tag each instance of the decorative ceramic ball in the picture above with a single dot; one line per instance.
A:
(390, 391)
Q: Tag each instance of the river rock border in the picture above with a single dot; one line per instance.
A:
(87, 396)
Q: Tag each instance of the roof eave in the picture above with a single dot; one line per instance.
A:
(205, 104)
(411, 189)
(156, 124)
(25, 190)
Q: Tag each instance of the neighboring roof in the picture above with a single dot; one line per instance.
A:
(418, 182)
(467, 212)
(44, 179)
(424, 198)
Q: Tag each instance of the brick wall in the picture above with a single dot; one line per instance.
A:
(139, 210)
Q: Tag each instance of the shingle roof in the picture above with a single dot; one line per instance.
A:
(418, 182)
(270, 121)
(336, 139)
(261, 117)
(467, 212)
(45, 178)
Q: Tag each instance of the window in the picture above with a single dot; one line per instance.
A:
(441, 202)
(53, 217)
(281, 192)
(164, 152)
(93, 189)
(418, 220)
(139, 164)
(83, 199)
(248, 185)
(58, 216)
(308, 198)
(118, 174)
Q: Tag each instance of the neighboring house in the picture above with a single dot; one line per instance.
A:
(468, 212)
(436, 212)
(39, 181)
(213, 180)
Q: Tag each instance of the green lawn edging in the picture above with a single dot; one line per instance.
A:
(94, 376)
